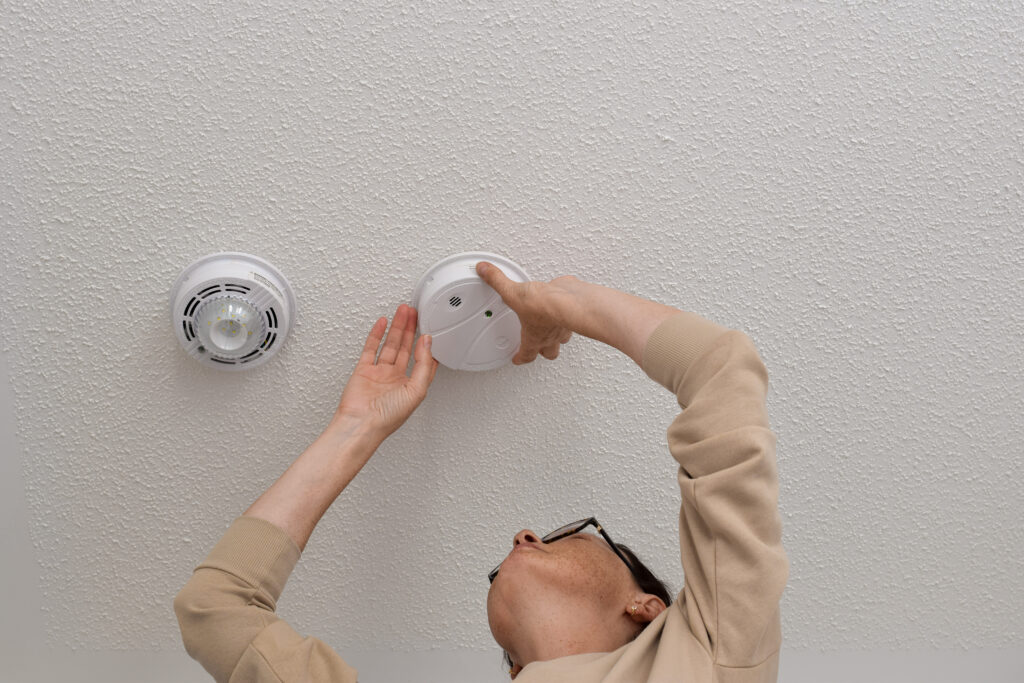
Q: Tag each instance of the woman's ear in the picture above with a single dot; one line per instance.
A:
(515, 671)
(648, 607)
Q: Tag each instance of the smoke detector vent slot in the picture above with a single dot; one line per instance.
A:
(455, 301)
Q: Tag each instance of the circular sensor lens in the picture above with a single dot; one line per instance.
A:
(229, 326)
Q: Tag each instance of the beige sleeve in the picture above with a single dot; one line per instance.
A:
(730, 531)
(227, 617)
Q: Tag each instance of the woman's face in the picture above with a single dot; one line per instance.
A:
(540, 578)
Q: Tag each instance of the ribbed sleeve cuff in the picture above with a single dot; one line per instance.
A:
(257, 552)
(675, 344)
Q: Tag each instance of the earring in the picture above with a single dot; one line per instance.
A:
(633, 610)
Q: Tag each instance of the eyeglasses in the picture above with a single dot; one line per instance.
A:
(569, 530)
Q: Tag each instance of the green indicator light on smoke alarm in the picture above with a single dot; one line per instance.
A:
(488, 314)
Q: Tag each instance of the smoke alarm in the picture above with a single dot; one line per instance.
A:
(471, 327)
(231, 311)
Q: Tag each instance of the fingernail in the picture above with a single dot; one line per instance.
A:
(482, 268)
(429, 339)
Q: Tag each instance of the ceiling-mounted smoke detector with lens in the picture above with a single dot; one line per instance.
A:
(471, 327)
(231, 310)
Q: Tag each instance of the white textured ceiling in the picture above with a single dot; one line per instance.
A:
(842, 183)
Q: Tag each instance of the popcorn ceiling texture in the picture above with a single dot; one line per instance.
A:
(843, 183)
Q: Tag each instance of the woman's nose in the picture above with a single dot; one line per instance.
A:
(525, 536)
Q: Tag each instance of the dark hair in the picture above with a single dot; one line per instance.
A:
(645, 578)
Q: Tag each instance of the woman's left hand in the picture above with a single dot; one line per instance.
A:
(379, 394)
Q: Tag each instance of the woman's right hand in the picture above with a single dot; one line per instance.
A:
(539, 306)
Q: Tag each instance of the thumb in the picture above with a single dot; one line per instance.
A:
(492, 275)
(425, 366)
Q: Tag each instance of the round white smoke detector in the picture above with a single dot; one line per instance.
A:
(232, 311)
(471, 327)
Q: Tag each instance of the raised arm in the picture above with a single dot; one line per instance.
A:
(551, 311)
(227, 609)
(729, 526)
(730, 531)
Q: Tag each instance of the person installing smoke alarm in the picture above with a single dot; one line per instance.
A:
(572, 605)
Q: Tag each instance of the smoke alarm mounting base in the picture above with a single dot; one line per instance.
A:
(231, 310)
(470, 326)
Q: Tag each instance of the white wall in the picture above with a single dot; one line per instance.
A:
(842, 182)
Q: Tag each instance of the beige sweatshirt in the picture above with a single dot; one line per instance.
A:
(723, 626)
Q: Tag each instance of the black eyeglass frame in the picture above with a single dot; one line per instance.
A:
(569, 530)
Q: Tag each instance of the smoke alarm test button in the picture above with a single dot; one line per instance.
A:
(471, 327)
